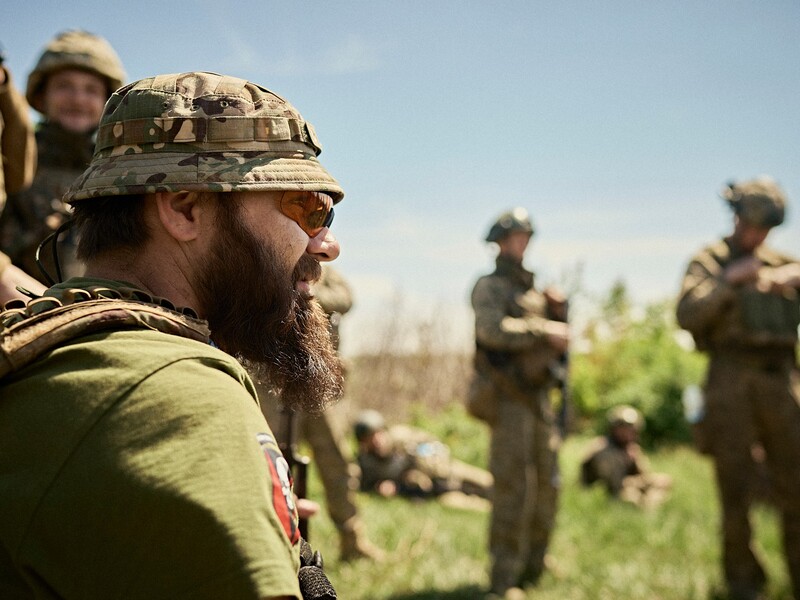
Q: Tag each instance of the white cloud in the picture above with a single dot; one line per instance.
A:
(351, 55)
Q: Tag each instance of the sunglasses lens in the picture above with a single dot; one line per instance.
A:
(329, 219)
(311, 210)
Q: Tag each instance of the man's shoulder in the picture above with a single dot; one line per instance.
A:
(116, 336)
(718, 249)
(146, 349)
(596, 447)
(123, 357)
(774, 257)
(491, 284)
(147, 344)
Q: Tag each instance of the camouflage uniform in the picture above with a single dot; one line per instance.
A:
(17, 143)
(513, 359)
(322, 434)
(38, 211)
(421, 465)
(616, 461)
(751, 389)
(33, 214)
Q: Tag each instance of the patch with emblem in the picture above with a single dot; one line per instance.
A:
(282, 496)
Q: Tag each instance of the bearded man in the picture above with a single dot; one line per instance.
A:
(134, 459)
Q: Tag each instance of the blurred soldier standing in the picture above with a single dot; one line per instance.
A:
(519, 333)
(18, 146)
(616, 460)
(134, 459)
(739, 300)
(335, 297)
(69, 85)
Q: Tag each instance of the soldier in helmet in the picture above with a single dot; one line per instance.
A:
(616, 460)
(739, 300)
(406, 461)
(69, 85)
(520, 332)
(134, 458)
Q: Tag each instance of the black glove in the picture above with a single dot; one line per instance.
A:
(314, 584)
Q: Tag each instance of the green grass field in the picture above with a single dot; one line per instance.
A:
(603, 549)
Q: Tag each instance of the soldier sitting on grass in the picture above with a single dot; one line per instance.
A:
(616, 460)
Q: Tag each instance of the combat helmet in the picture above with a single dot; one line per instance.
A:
(201, 132)
(625, 414)
(368, 422)
(75, 49)
(516, 219)
(760, 202)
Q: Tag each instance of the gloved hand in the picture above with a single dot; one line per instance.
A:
(314, 584)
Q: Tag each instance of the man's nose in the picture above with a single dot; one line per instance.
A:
(324, 246)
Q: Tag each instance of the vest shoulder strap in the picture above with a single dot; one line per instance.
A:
(33, 329)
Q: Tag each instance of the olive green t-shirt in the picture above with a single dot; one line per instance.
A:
(137, 464)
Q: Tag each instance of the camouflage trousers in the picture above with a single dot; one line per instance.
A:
(524, 463)
(747, 402)
(469, 479)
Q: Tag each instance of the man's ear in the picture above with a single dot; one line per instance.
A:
(183, 214)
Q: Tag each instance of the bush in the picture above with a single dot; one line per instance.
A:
(638, 362)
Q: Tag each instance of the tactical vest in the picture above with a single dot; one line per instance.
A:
(29, 330)
(757, 319)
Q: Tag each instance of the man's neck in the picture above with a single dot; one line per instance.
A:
(149, 276)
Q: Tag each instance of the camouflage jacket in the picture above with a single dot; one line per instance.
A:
(335, 297)
(333, 292)
(510, 316)
(409, 449)
(610, 463)
(34, 213)
(722, 317)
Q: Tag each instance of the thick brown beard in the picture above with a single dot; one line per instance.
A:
(256, 314)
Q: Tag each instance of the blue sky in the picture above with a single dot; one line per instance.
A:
(614, 123)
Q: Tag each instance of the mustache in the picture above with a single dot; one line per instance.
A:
(307, 269)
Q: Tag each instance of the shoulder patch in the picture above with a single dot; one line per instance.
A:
(282, 485)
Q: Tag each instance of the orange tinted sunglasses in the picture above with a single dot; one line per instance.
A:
(312, 211)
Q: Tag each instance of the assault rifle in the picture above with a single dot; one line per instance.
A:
(298, 463)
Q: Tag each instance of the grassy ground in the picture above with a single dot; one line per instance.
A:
(604, 550)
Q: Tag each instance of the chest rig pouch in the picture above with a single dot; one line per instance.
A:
(770, 318)
(28, 331)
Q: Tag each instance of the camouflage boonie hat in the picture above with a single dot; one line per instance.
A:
(201, 132)
(516, 219)
(759, 202)
(75, 50)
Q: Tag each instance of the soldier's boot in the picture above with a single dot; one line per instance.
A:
(354, 545)
(504, 579)
(539, 563)
(750, 587)
(737, 592)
